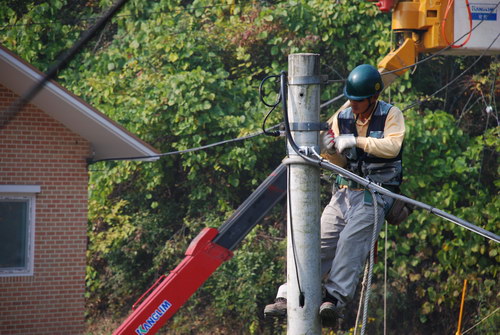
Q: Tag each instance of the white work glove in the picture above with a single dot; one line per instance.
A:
(328, 142)
(343, 142)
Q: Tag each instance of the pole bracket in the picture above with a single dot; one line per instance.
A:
(308, 80)
(308, 126)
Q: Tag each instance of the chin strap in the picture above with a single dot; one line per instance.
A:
(370, 104)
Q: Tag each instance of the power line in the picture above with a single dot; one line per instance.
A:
(238, 139)
(61, 63)
(418, 102)
(324, 105)
(83, 19)
(89, 34)
(194, 8)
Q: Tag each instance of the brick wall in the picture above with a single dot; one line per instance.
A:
(38, 150)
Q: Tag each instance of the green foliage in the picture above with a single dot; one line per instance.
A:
(184, 74)
(428, 256)
(40, 31)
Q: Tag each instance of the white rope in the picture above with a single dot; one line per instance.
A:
(372, 260)
(487, 316)
(363, 286)
(385, 281)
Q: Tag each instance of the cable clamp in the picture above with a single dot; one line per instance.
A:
(303, 150)
(308, 80)
(308, 126)
(296, 159)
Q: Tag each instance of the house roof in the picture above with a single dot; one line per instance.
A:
(108, 138)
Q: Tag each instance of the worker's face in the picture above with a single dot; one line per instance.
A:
(364, 106)
(359, 106)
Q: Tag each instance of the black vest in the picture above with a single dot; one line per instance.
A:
(385, 171)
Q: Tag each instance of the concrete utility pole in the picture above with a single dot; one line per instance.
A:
(303, 233)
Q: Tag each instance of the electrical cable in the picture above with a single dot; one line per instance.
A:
(483, 151)
(61, 63)
(492, 89)
(283, 97)
(323, 163)
(443, 24)
(465, 106)
(80, 20)
(186, 150)
(292, 239)
(331, 101)
(273, 105)
(418, 102)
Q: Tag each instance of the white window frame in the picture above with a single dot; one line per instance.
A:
(23, 192)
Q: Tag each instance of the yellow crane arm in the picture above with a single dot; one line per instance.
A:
(401, 58)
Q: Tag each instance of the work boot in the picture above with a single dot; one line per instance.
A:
(330, 310)
(278, 309)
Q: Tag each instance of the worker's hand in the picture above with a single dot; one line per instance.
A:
(328, 142)
(343, 142)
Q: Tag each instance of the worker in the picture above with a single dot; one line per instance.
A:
(365, 138)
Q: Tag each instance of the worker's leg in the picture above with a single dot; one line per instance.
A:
(282, 291)
(278, 307)
(332, 223)
(353, 245)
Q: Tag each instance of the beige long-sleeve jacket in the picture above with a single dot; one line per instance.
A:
(386, 147)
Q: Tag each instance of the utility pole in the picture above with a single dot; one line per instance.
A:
(303, 233)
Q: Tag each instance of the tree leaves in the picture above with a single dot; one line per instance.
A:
(183, 75)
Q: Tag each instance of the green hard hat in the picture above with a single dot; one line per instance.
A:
(363, 82)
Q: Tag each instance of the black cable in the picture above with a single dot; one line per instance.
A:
(322, 163)
(283, 100)
(273, 105)
(183, 151)
(331, 101)
(283, 91)
(83, 19)
(62, 62)
(292, 239)
(418, 102)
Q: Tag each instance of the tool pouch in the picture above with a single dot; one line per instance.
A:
(399, 212)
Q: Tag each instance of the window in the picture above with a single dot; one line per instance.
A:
(17, 227)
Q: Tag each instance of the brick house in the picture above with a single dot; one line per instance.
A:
(43, 200)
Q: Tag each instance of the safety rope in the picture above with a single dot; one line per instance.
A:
(385, 281)
(363, 287)
(368, 274)
(371, 262)
(483, 319)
